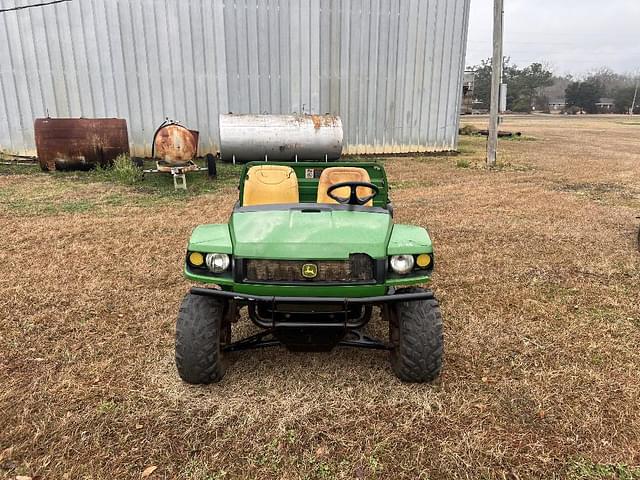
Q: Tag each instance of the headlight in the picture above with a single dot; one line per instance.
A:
(402, 264)
(217, 262)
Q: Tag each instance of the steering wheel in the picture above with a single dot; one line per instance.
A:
(353, 198)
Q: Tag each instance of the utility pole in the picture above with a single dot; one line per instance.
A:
(496, 79)
(635, 95)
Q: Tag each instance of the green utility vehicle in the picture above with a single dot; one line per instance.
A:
(310, 249)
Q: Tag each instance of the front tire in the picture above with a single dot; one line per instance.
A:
(200, 336)
(417, 342)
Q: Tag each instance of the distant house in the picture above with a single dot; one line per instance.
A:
(557, 105)
(605, 105)
(467, 92)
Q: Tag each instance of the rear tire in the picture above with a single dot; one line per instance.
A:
(200, 336)
(212, 170)
(415, 330)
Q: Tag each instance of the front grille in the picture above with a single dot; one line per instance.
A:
(359, 268)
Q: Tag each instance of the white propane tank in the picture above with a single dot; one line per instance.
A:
(247, 137)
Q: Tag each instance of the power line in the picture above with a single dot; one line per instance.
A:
(44, 4)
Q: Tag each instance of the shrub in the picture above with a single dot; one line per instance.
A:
(124, 171)
(468, 130)
(462, 163)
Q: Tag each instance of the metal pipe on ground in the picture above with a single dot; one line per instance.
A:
(501, 133)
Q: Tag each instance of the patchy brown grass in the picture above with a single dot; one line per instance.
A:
(539, 280)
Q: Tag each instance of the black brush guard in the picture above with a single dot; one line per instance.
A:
(311, 334)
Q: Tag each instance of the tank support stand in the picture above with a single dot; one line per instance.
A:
(178, 174)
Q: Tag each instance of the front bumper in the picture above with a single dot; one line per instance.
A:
(380, 299)
(292, 305)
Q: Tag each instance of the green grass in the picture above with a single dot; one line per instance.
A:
(122, 171)
(583, 469)
(42, 199)
(27, 207)
(462, 163)
(78, 206)
(107, 406)
(514, 167)
(471, 144)
(520, 138)
(196, 470)
(125, 173)
(197, 182)
(402, 184)
(50, 194)
(22, 169)
(468, 129)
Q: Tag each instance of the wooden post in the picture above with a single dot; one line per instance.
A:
(635, 95)
(496, 79)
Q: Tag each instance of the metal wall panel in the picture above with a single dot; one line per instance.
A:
(392, 69)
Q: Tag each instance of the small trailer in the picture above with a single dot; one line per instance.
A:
(174, 149)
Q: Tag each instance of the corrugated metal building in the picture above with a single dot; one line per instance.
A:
(392, 69)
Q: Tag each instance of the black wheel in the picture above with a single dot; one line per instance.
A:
(201, 334)
(417, 343)
(137, 162)
(211, 165)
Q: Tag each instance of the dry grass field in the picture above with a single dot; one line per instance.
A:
(539, 279)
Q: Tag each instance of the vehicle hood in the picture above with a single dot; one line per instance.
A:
(309, 234)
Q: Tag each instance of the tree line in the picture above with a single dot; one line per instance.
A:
(532, 87)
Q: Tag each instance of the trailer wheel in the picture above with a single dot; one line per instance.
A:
(415, 330)
(211, 165)
(201, 333)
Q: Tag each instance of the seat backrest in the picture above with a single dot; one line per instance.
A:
(332, 175)
(268, 184)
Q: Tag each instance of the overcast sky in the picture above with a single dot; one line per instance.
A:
(572, 36)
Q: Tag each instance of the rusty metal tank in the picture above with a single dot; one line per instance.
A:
(174, 145)
(79, 143)
(245, 138)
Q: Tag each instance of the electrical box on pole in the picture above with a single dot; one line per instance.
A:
(503, 98)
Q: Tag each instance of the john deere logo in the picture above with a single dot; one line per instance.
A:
(309, 270)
